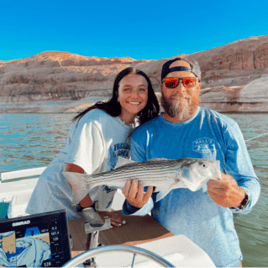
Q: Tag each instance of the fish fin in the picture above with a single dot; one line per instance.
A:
(79, 185)
(121, 161)
(164, 191)
(161, 194)
(156, 159)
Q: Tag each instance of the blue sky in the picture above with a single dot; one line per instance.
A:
(140, 29)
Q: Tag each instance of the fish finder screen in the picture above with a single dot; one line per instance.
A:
(39, 240)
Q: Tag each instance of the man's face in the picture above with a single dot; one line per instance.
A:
(180, 103)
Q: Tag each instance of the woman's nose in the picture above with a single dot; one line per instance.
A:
(135, 94)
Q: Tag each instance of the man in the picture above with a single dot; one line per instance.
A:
(187, 130)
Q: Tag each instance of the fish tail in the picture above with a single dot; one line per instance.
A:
(78, 184)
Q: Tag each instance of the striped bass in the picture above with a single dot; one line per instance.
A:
(164, 174)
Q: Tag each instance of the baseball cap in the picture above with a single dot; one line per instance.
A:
(194, 68)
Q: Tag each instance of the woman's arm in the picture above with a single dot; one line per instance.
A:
(86, 202)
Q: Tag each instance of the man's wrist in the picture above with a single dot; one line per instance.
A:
(128, 208)
(244, 203)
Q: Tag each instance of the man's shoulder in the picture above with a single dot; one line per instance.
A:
(148, 126)
(216, 116)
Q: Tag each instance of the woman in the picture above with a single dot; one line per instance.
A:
(99, 135)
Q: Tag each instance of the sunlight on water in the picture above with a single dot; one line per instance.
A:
(33, 140)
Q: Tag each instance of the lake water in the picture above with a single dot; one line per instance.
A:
(33, 140)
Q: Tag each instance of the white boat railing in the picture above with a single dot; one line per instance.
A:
(12, 175)
(16, 189)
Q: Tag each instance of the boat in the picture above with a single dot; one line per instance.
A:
(141, 242)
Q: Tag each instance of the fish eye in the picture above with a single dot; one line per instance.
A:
(203, 165)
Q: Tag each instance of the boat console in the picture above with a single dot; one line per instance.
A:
(40, 240)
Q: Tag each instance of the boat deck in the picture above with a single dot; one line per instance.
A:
(144, 232)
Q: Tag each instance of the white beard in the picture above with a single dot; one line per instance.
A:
(178, 109)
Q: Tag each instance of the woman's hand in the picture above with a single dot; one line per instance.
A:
(115, 220)
(135, 195)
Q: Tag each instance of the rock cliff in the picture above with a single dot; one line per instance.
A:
(233, 78)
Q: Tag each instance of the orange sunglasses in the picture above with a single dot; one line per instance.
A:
(173, 82)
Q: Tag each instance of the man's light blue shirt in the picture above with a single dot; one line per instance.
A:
(207, 135)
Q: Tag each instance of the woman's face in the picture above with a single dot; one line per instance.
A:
(132, 94)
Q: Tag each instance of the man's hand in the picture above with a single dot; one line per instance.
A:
(115, 220)
(135, 195)
(226, 192)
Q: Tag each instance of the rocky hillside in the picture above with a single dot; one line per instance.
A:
(58, 81)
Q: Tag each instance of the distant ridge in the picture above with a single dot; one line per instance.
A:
(55, 75)
(65, 56)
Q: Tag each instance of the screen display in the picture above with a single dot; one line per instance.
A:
(40, 240)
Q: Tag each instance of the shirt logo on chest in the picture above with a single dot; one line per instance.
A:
(204, 145)
(119, 149)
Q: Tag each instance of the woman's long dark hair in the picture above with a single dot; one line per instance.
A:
(113, 107)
